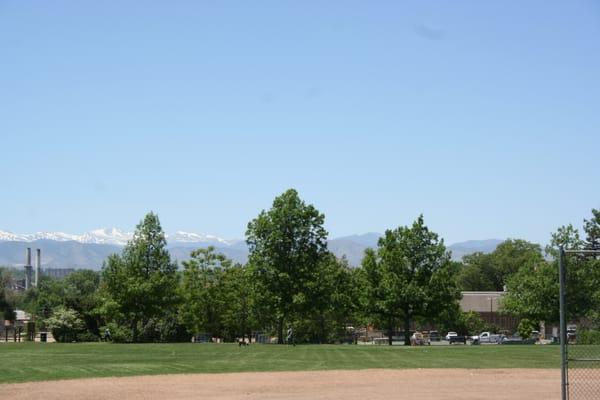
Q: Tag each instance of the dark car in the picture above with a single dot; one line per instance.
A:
(458, 339)
(435, 336)
(517, 340)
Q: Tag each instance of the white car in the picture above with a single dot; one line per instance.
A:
(451, 334)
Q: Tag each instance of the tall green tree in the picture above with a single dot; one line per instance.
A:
(287, 244)
(81, 293)
(141, 283)
(592, 229)
(491, 271)
(409, 276)
(237, 301)
(202, 290)
(7, 308)
(334, 301)
(534, 291)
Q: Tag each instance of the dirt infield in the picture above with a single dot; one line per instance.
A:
(422, 384)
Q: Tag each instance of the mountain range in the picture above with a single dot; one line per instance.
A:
(90, 249)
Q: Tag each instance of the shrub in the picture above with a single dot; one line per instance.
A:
(119, 333)
(526, 327)
(65, 324)
(588, 336)
(87, 337)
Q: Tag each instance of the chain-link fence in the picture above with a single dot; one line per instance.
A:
(583, 371)
(580, 343)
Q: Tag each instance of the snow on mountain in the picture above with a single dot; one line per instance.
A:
(106, 236)
(12, 237)
(190, 237)
(112, 236)
(30, 237)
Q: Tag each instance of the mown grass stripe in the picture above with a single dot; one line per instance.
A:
(33, 361)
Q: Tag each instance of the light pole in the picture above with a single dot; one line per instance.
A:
(491, 299)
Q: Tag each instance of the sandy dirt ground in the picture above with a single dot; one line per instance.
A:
(422, 384)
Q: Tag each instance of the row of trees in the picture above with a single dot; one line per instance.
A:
(534, 288)
(292, 280)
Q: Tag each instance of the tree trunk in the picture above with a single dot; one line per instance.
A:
(280, 331)
(407, 329)
(134, 331)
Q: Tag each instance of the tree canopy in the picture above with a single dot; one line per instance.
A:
(409, 276)
(140, 284)
(287, 245)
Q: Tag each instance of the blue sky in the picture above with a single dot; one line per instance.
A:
(483, 116)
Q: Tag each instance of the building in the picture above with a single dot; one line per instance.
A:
(488, 306)
(57, 273)
(9, 330)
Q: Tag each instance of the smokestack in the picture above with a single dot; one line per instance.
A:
(28, 269)
(38, 265)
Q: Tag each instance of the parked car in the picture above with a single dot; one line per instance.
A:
(434, 336)
(458, 339)
(450, 334)
(516, 339)
(486, 337)
(419, 339)
(571, 334)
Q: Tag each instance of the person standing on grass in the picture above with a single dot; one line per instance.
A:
(107, 335)
(290, 337)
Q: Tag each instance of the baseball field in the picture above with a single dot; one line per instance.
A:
(223, 371)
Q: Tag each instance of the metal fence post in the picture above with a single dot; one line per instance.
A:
(563, 324)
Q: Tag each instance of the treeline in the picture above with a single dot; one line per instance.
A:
(292, 281)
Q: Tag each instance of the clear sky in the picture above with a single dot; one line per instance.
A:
(484, 116)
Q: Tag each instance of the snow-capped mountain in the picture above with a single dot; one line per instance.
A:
(106, 236)
(111, 236)
(30, 237)
(190, 237)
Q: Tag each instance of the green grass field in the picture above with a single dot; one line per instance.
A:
(33, 361)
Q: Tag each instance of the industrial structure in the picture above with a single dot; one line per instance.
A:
(32, 280)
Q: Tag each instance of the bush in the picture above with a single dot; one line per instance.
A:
(87, 337)
(65, 324)
(526, 327)
(472, 323)
(119, 333)
(588, 336)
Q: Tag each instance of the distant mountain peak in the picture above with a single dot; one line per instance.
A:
(191, 237)
(114, 236)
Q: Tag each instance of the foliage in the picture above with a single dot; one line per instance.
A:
(409, 276)
(141, 283)
(65, 324)
(81, 294)
(238, 301)
(333, 297)
(287, 245)
(201, 290)
(588, 336)
(526, 328)
(471, 323)
(118, 333)
(592, 230)
(533, 292)
(7, 307)
(491, 272)
(475, 274)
